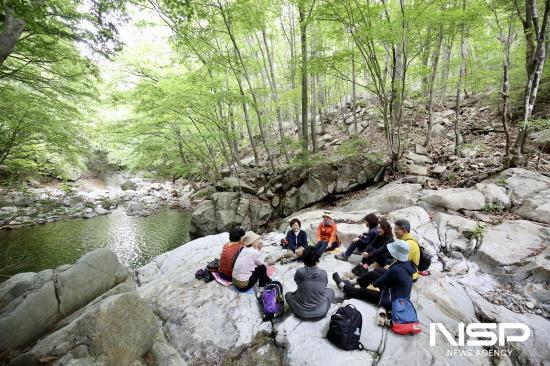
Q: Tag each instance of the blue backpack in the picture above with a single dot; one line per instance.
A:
(403, 317)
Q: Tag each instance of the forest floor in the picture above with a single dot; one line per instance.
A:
(480, 151)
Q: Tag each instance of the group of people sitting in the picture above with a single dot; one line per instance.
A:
(387, 270)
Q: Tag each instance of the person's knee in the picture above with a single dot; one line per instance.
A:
(348, 287)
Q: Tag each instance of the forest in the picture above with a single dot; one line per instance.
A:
(237, 79)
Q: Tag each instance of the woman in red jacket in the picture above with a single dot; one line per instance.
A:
(327, 236)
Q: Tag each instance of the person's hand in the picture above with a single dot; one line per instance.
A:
(365, 255)
(354, 240)
(386, 266)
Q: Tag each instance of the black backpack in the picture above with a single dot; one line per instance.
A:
(344, 330)
(213, 266)
(425, 260)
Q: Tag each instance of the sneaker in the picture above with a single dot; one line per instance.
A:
(336, 278)
(341, 257)
(382, 317)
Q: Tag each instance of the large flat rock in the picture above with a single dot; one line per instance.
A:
(536, 206)
(455, 198)
(117, 330)
(512, 242)
(520, 183)
(30, 303)
(392, 196)
(233, 322)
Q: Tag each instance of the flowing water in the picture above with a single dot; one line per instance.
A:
(135, 240)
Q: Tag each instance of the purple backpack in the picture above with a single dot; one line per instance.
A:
(272, 300)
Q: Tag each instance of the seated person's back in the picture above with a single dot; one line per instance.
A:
(230, 251)
(250, 265)
(312, 299)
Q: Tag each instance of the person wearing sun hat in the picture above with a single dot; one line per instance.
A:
(396, 282)
(250, 266)
(327, 234)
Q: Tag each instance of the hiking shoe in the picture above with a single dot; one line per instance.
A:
(336, 278)
(382, 317)
(341, 257)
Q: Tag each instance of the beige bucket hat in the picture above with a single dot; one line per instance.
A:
(250, 237)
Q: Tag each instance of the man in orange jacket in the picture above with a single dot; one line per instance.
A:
(327, 236)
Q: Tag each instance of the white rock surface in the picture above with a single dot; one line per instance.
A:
(451, 231)
(536, 206)
(512, 242)
(455, 198)
(494, 194)
(417, 216)
(168, 284)
(392, 196)
(521, 183)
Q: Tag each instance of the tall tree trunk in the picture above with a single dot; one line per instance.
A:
(535, 55)
(275, 96)
(460, 79)
(12, 30)
(435, 63)
(320, 101)
(426, 52)
(353, 94)
(313, 106)
(303, 42)
(506, 42)
(247, 120)
(233, 137)
(209, 148)
(247, 78)
(447, 53)
(225, 129)
(293, 68)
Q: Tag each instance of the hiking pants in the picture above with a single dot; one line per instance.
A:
(371, 296)
(368, 278)
(259, 275)
(358, 244)
(322, 245)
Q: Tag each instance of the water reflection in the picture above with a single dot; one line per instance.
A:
(135, 240)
